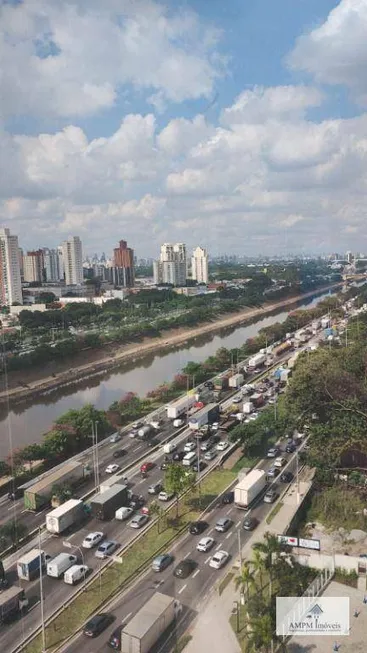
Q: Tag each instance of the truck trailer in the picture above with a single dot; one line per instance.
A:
(236, 381)
(69, 513)
(104, 505)
(28, 566)
(146, 627)
(206, 415)
(180, 407)
(12, 602)
(40, 493)
(282, 348)
(249, 487)
(257, 361)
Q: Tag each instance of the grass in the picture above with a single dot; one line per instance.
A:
(274, 512)
(185, 639)
(243, 462)
(137, 557)
(349, 578)
(337, 507)
(238, 624)
(224, 582)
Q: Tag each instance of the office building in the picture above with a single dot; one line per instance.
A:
(51, 264)
(199, 265)
(33, 266)
(72, 256)
(123, 269)
(172, 265)
(10, 279)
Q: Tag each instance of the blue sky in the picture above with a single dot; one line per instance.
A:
(194, 121)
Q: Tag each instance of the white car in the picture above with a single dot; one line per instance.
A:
(115, 438)
(165, 496)
(209, 455)
(92, 539)
(254, 416)
(155, 423)
(205, 544)
(237, 400)
(221, 446)
(138, 521)
(133, 434)
(189, 446)
(219, 559)
(112, 469)
(279, 462)
(215, 426)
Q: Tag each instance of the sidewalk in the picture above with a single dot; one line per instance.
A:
(212, 630)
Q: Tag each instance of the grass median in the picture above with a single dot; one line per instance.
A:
(134, 560)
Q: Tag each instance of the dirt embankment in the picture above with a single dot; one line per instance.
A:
(22, 385)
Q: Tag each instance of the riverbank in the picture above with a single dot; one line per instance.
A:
(96, 363)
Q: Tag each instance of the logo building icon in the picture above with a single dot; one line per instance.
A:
(315, 611)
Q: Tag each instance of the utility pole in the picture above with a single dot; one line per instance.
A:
(297, 477)
(97, 454)
(41, 593)
(94, 456)
(199, 483)
(240, 548)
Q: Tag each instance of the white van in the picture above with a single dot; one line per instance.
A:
(190, 459)
(61, 563)
(123, 513)
(75, 574)
(169, 447)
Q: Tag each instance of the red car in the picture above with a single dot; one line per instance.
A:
(146, 467)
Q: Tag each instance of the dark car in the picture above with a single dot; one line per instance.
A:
(286, 477)
(136, 501)
(197, 527)
(96, 624)
(119, 453)
(291, 447)
(273, 472)
(164, 464)
(184, 568)
(228, 497)
(199, 466)
(15, 494)
(178, 456)
(249, 523)
(115, 639)
(273, 452)
(152, 442)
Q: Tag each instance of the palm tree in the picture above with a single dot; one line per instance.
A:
(260, 634)
(270, 549)
(257, 563)
(245, 579)
(158, 511)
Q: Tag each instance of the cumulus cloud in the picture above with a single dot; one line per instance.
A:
(336, 51)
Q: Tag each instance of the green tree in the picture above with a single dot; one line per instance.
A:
(158, 511)
(13, 531)
(177, 479)
(245, 580)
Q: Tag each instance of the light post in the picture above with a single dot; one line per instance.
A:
(41, 593)
(237, 613)
(69, 545)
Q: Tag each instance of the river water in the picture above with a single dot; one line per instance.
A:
(25, 424)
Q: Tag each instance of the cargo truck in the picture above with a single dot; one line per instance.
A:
(282, 348)
(206, 415)
(249, 487)
(221, 382)
(104, 505)
(236, 381)
(146, 431)
(69, 513)
(28, 566)
(248, 407)
(12, 602)
(148, 625)
(40, 493)
(107, 483)
(257, 399)
(256, 361)
(180, 407)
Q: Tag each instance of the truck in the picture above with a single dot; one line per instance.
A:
(39, 494)
(145, 431)
(180, 407)
(221, 382)
(107, 483)
(69, 513)
(28, 566)
(248, 407)
(228, 425)
(257, 399)
(12, 602)
(282, 348)
(143, 631)
(256, 361)
(236, 380)
(62, 562)
(206, 415)
(104, 505)
(249, 487)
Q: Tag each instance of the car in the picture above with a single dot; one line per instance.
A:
(115, 638)
(155, 488)
(270, 496)
(112, 469)
(189, 446)
(199, 466)
(272, 472)
(219, 559)
(164, 464)
(138, 521)
(286, 477)
(119, 453)
(165, 496)
(133, 434)
(136, 501)
(146, 467)
(222, 445)
(223, 524)
(253, 416)
(156, 423)
(209, 455)
(205, 544)
(237, 400)
(97, 624)
(161, 562)
(273, 452)
(280, 462)
(115, 438)
(184, 568)
(151, 442)
(215, 426)
(178, 456)
(106, 549)
(197, 527)
(290, 447)
(207, 444)
(92, 539)
(137, 425)
(228, 497)
(177, 423)
(249, 523)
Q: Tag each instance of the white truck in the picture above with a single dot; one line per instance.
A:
(249, 487)
(57, 566)
(28, 566)
(64, 516)
(146, 627)
(236, 380)
(248, 407)
(256, 361)
(180, 407)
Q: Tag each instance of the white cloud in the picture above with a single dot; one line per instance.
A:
(336, 51)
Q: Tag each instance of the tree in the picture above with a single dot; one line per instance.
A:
(270, 548)
(245, 579)
(62, 492)
(13, 531)
(156, 509)
(261, 631)
(177, 480)
(257, 562)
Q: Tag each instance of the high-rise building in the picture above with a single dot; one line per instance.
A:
(10, 279)
(199, 265)
(123, 264)
(51, 264)
(172, 265)
(20, 252)
(33, 266)
(72, 256)
(61, 263)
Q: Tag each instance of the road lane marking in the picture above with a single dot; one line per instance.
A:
(128, 616)
(196, 573)
(211, 530)
(229, 511)
(140, 482)
(228, 535)
(187, 555)
(218, 547)
(33, 606)
(182, 589)
(207, 560)
(238, 523)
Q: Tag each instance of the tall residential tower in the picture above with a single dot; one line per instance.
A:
(72, 257)
(199, 265)
(10, 280)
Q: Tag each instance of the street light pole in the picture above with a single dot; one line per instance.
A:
(94, 456)
(41, 593)
(97, 454)
(240, 548)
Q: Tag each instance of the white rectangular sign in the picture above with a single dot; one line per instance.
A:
(312, 615)
(309, 544)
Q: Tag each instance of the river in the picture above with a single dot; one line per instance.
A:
(25, 424)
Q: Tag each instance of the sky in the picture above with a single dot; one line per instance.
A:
(239, 126)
